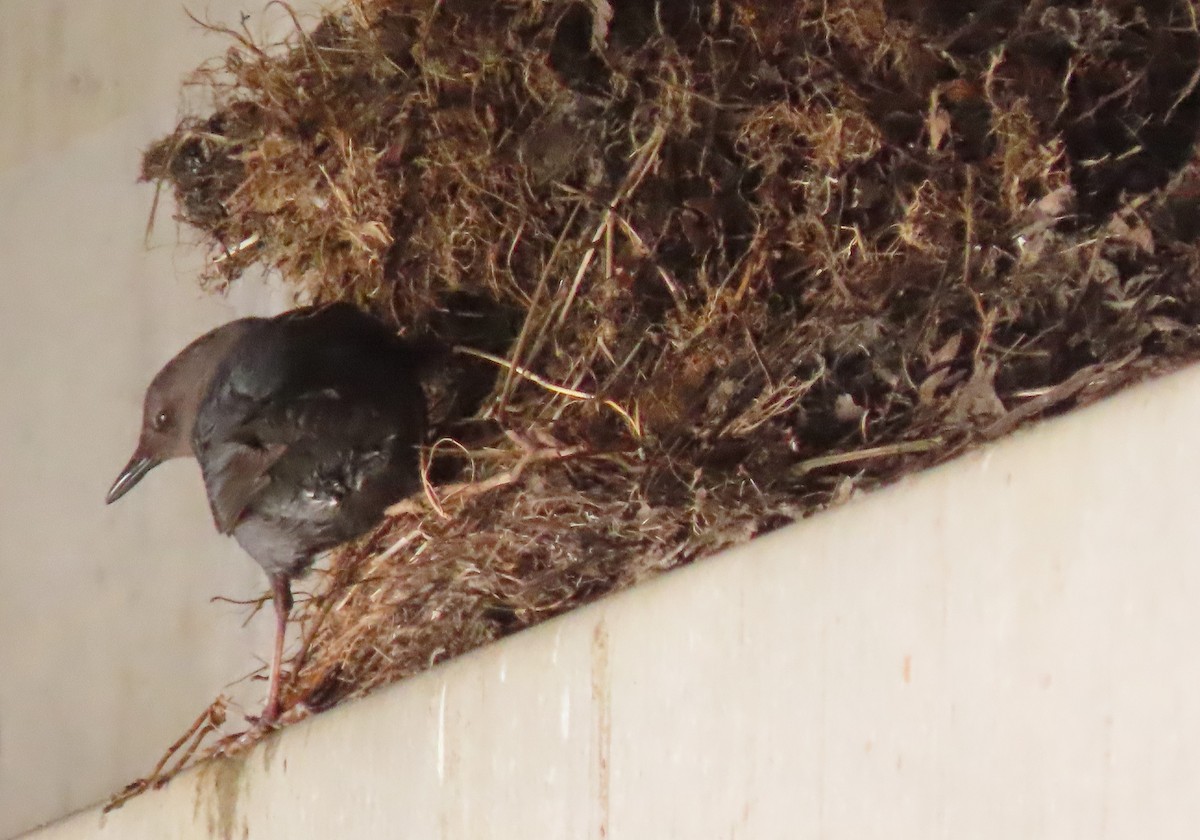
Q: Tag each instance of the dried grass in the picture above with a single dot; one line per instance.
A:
(724, 264)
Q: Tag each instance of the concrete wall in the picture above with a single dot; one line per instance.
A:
(1000, 648)
(109, 646)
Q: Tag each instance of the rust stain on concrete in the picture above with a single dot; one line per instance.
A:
(219, 787)
(602, 710)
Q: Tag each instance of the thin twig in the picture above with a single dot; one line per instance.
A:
(1065, 390)
(207, 722)
(645, 159)
(526, 327)
(634, 426)
(870, 454)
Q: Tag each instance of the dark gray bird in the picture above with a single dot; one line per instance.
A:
(306, 427)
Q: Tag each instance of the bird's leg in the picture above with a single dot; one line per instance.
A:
(281, 596)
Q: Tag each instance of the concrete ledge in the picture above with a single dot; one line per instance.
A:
(1003, 647)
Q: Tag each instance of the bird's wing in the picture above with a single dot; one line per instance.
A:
(235, 458)
(237, 454)
(285, 389)
(243, 474)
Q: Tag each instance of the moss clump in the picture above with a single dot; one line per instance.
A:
(751, 257)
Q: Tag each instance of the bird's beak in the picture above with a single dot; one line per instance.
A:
(134, 471)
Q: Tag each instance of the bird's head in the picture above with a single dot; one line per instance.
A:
(172, 401)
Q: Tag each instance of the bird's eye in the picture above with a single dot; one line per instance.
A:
(161, 420)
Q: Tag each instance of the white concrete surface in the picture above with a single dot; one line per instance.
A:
(1003, 647)
(69, 67)
(109, 646)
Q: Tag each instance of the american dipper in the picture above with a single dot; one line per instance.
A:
(306, 427)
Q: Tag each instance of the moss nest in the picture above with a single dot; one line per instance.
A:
(712, 265)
